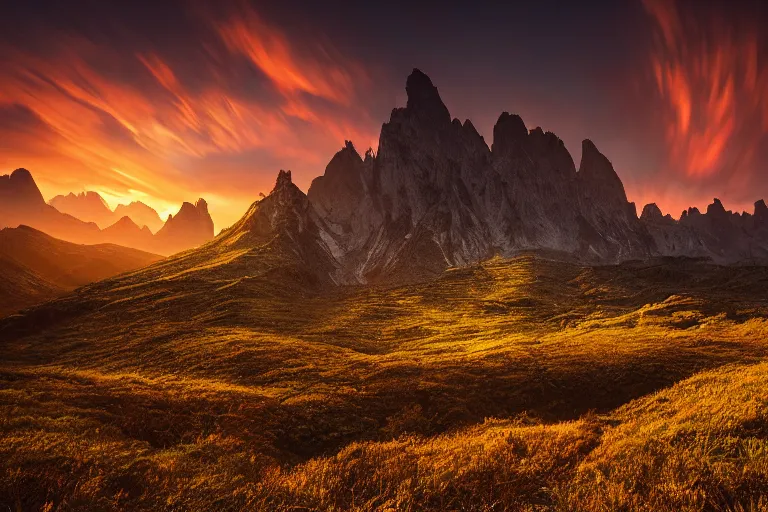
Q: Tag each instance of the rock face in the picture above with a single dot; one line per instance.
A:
(436, 195)
(281, 231)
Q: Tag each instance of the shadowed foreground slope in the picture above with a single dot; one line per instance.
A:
(35, 267)
(213, 380)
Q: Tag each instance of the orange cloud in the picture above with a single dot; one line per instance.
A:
(270, 51)
(130, 123)
(713, 91)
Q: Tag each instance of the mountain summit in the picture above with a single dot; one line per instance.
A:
(19, 190)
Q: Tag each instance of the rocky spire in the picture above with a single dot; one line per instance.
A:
(424, 100)
(761, 212)
(283, 180)
(596, 173)
(716, 209)
(508, 131)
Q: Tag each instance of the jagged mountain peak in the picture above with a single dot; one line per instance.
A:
(424, 99)
(284, 225)
(651, 211)
(597, 171)
(90, 195)
(283, 180)
(508, 131)
(190, 227)
(187, 208)
(716, 208)
(283, 210)
(760, 208)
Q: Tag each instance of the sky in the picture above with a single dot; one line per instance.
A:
(168, 101)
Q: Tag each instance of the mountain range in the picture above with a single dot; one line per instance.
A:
(21, 203)
(436, 196)
(89, 206)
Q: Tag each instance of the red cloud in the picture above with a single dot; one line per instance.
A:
(134, 133)
(713, 90)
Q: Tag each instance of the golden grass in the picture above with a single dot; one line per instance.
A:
(520, 384)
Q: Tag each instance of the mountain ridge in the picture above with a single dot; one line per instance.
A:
(36, 267)
(89, 206)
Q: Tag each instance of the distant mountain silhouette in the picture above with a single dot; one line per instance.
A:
(35, 267)
(192, 226)
(128, 233)
(21, 203)
(86, 206)
(89, 206)
(141, 214)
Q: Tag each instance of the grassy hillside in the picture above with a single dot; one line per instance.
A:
(521, 384)
(35, 267)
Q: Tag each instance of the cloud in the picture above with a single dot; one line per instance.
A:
(143, 121)
(712, 87)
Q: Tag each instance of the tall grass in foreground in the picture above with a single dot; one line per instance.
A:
(519, 385)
